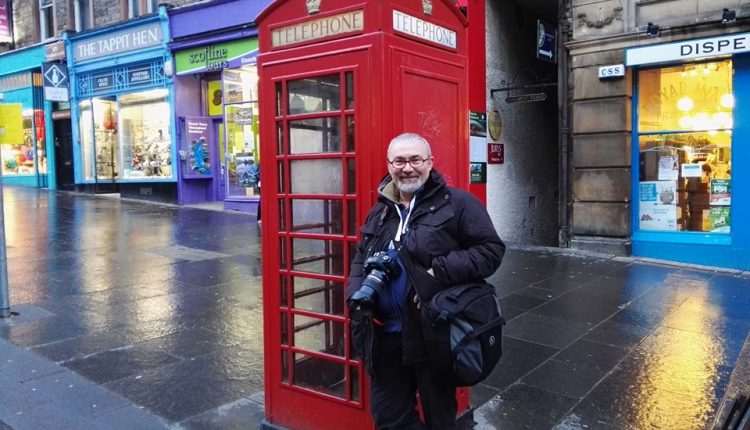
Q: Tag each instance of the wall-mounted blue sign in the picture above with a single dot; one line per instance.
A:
(546, 41)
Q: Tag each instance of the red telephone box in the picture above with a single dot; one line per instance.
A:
(338, 80)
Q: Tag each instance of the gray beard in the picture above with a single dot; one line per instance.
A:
(410, 188)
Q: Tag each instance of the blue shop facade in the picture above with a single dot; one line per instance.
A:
(26, 144)
(691, 164)
(122, 109)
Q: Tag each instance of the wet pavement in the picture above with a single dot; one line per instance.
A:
(138, 315)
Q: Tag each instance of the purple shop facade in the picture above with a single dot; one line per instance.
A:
(214, 45)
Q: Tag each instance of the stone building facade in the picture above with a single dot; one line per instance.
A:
(603, 170)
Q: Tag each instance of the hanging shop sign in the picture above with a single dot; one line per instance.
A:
(54, 51)
(118, 42)
(329, 26)
(545, 41)
(55, 78)
(525, 98)
(729, 44)
(425, 30)
(216, 57)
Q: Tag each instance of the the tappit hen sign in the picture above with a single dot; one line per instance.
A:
(140, 37)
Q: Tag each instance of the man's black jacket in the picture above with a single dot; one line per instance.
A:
(449, 231)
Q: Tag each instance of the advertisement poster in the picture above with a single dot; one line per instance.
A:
(477, 124)
(5, 23)
(11, 123)
(658, 209)
(669, 168)
(198, 153)
(478, 173)
(691, 170)
(720, 194)
(719, 218)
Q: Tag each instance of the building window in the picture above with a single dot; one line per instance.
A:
(141, 7)
(84, 14)
(685, 123)
(47, 19)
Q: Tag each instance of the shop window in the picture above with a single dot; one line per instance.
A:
(240, 93)
(685, 123)
(141, 7)
(46, 19)
(126, 137)
(21, 158)
(84, 14)
(145, 137)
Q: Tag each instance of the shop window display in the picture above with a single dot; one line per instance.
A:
(128, 136)
(21, 158)
(241, 116)
(685, 127)
(145, 142)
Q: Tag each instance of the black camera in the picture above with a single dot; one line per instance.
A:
(381, 269)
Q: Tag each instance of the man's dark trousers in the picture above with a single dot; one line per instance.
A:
(393, 386)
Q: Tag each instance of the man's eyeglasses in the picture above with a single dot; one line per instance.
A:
(400, 163)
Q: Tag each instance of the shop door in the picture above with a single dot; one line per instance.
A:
(312, 190)
(64, 155)
(105, 144)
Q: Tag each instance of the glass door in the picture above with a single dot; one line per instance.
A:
(104, 146)
(317, 215)
(240, 150)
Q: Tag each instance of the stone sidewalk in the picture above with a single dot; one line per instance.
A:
(136, 315)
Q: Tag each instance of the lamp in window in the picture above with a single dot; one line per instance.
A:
(686, 122)
(728, 16)
(685, 104)
(652, 30)
(727, 101)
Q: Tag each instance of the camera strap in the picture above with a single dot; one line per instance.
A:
(403, 222)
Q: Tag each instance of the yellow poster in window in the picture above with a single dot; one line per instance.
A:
(214, 98)
(11, 123)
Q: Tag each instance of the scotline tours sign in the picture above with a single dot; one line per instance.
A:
(728, 44)
(328, 26)
(422, 29)
(118, 42)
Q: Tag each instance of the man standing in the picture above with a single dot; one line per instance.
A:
(448, 235)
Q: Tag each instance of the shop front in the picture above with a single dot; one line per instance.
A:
(216, 109)
(121, 110)
(691, 103)
(24, 142)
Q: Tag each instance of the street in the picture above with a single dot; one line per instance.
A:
(139, 315)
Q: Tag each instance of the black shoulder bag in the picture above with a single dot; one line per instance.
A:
(462, 325)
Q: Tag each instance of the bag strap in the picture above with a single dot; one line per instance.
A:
(411, 267)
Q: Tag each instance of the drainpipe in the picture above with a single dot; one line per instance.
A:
(563, 100)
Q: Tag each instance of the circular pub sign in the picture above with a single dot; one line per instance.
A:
(495, 124)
